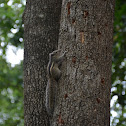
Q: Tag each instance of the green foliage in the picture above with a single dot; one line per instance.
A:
(11, 81)
(119, 65)
(11, 29)
(11, 97)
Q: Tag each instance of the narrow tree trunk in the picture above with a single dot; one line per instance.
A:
(86, 32)
(41, 29)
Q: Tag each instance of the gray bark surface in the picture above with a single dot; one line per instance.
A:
(41, 29)
(86, 32)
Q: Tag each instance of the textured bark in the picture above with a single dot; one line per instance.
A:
(41, 29)
(86, 32)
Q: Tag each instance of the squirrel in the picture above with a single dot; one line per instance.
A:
(54, 74)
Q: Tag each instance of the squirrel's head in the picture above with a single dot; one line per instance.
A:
(54, 54)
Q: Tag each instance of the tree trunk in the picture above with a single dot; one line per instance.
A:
(41, 29)
(86, 32)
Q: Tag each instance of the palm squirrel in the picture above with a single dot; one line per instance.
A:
(54, 75)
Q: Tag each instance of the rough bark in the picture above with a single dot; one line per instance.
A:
(41, 29)
(86, 32)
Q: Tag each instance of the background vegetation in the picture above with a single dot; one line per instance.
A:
(11, 82)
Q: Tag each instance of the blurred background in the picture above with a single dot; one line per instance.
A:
(11, 69)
